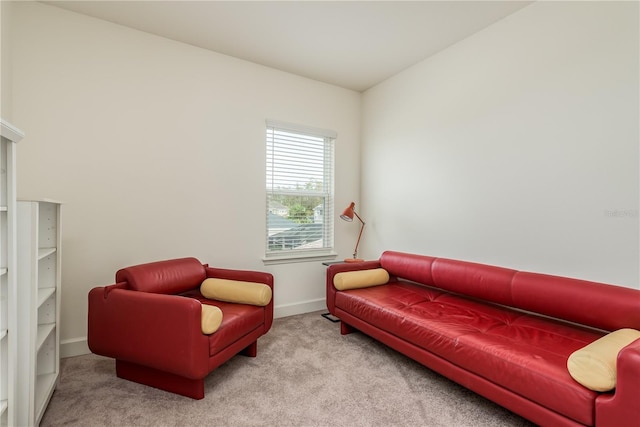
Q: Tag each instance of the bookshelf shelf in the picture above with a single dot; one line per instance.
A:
(9, 137)
(39, 285)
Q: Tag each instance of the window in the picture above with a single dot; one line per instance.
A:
(299, 211)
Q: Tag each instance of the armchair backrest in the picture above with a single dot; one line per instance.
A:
(164, 277)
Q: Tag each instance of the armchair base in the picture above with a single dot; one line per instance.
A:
(251, 350)
(167, 381)
(160, 379)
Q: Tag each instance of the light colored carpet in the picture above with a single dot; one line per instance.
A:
(305, 374)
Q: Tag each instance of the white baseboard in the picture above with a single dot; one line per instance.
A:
(299, 308)
(74, 347)
(78, 346)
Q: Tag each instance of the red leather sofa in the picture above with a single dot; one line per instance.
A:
(502, 333)
(150, 322)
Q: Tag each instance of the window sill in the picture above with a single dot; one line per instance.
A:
(298, 257)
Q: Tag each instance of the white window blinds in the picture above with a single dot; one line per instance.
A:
(299, 165)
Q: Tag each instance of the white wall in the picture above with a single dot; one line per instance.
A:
(5, 61)
(157, 150)
(515, 147)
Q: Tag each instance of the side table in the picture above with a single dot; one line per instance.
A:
(328, 315)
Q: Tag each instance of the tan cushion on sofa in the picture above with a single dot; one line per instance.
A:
(594, 366)
(360, 279)
(211, 318)
(236, 291)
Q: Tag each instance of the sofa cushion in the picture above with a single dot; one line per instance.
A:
(539, 293)
(211, 319)
(594, 366)
(412, 267)
(487, 282)
(236, 291)
(238, 320)
(164, 277)
(577, 301)
(360, 279)
(521, 352)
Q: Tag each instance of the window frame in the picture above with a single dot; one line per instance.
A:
(327, 251)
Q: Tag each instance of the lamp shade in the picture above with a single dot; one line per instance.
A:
(347, 215)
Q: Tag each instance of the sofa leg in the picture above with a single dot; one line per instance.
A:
(159, 379)
(346, 329)
(251, 350)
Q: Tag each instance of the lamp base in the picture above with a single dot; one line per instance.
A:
(353, 260)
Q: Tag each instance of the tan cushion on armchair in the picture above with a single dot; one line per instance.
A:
(236, 291)
(211, 318)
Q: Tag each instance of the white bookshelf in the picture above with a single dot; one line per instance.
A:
(9, 136)
(39, 287)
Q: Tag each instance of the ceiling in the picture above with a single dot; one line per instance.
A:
(352, 44)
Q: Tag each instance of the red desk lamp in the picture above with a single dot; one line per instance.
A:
(347, 215)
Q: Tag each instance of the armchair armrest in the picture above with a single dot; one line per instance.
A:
(334, 269)
(155, 330)
(247, 276)
(620, 408)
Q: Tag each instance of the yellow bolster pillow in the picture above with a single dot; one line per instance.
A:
(236, 291)
(594, 365)
(211, 318)
(360, 279)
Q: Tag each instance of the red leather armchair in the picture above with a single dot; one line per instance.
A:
(150, 322)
